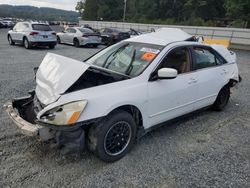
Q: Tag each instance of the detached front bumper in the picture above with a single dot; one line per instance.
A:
(21, 111)
(26, 127)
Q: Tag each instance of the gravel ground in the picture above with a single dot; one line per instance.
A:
(210, 149)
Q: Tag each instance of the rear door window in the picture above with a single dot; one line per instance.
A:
(85, 30)
(206, 57)
(41, 27)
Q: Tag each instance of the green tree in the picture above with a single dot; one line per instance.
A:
(187, 12)
(238, 9)
(90, 8)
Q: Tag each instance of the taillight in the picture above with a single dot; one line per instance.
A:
(34, 33)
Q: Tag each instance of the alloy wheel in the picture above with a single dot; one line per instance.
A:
(117, 138)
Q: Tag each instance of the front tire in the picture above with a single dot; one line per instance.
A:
(222, 99)
(26, 43)
(114, 137)
(11, 42)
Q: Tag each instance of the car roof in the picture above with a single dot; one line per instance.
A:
(38, 23)
(162, 36)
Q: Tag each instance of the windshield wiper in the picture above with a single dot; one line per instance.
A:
(130, 66)
(113, 54)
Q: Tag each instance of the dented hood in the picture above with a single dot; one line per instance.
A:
(55, 75)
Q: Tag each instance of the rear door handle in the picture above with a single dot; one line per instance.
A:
(192, 81)
(224, 72)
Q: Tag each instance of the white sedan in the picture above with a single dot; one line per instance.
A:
(122, 92)
(79, 36)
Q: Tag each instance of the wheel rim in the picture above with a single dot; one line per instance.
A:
(117, 138)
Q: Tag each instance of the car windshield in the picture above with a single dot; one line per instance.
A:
(85, 30)
(128, 58)
(41, 27)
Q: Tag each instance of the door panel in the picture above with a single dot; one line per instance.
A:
(210, 73)
(14, 34)
(171, 98)
(209, 84)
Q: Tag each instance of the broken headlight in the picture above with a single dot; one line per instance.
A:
(64, 115)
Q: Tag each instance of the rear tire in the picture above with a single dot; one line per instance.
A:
(76, 43)
(26, 43)
(11, 42)
(51, 46)
(114, 137)
(222, 99)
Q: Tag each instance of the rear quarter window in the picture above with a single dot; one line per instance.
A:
(41, 27)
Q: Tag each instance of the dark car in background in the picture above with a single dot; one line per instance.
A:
(111, 35)
(1, 25)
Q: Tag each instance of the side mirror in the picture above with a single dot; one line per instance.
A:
(167, 73)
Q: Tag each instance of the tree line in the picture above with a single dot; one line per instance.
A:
(185, 12)
(35, 13)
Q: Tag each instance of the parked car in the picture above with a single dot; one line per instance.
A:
(116, 96)
(32, 34)
(1, 25)
(111, 35)
(7, 23)
(79, 36)
(134, 33)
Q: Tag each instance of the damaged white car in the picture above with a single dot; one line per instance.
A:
(108, 101)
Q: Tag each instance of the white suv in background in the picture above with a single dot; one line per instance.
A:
(32, 34)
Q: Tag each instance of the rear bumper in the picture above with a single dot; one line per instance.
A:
(90, 42)
(47, 43)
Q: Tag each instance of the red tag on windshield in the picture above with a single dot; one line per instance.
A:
(148, 56)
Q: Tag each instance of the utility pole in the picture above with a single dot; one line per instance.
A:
(124, 10)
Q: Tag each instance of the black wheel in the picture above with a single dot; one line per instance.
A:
(76, 43)
(51, 46)
(222, 99)
(26, 43)
(58, 40)
(113, 138)
(10, 40)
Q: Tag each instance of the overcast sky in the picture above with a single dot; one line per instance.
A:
(60, 4)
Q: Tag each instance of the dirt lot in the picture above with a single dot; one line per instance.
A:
(210, 149)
